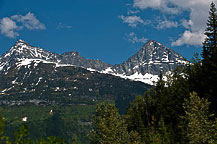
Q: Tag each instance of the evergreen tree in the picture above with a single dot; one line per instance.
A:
(193, 72)
(209, 62)
(200, 128)
(109, 127)
(134, 138)
(210, 44)
(139, 115)
(162, 129)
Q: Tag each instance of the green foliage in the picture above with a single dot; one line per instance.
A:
(75, 139)
(3, 139)
(162, 130)
(200, 128)
(1, 125)
(194, 74)
(209, 62)
(109, 127)
(210, 44)
(73, 120)
(55, 125)
(134, 138)
(22, 137)
(138, 115)
(51, 140)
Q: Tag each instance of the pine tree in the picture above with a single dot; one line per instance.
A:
(200, 128)
(134, 138)
(109, 127)
(162, 129)
(138, 116)
(194, 75)
(209, 62)
(210, 44)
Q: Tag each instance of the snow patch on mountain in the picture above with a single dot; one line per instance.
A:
(28, 62)
(145, 66)
(146, 78)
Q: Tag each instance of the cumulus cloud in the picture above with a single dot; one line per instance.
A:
(167, 24)
(132, 37)
(133, 21)
(198, 13)
(9, 26)
(190, 38)
(29, 21)
(163, 5)
(187, 23)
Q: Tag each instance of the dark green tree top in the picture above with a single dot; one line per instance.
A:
(210, 43)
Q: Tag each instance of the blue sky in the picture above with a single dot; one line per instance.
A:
(109, 30)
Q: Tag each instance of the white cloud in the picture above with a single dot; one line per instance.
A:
(186, 23)
(132, 37)
(167, 24)
(163, 5)
(190, 38)
(133, 21)
(143, 4)
(29, 21)
(198, 13)
(8, 27)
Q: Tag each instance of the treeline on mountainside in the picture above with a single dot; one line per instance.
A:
(182, 109)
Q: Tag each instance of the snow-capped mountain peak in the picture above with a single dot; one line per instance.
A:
(22, 51)
(20, 41)
(151, 60)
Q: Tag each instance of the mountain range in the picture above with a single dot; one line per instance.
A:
(33, 75)
(56, 94)
(145, 66)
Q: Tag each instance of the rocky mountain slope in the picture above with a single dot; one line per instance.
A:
(22, 51)
(45, 83)
(32, 75)
(145, 66)
(151, 60)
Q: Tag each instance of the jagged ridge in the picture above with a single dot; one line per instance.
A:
(22, 50)
(151, 60)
